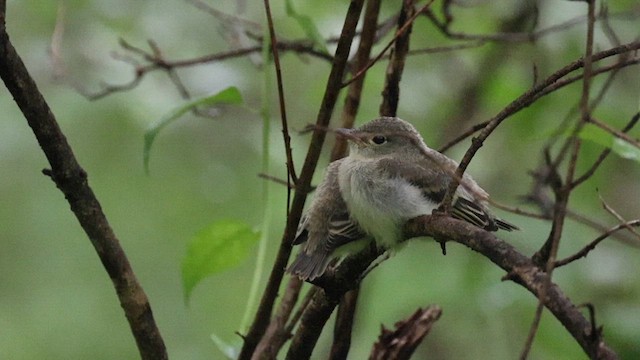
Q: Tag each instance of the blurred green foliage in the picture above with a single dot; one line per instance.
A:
(58, 303)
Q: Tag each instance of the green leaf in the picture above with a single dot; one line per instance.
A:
(220, 246)
(308, 26)
(595, 134)
(626, 150)
(230, 95)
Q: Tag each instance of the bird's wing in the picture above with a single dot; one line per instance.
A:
(342, 230)
(434, 180)
(327, 223)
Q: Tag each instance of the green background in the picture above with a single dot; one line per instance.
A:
(57, 302)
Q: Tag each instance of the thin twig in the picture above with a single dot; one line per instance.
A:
(618, 217)
(343, 327)
(395, 68)
(270, 294)
(562, 196)
(514, 37)
(520, 103)
(354, 93)
(157, 64)
(472, 130)
(399, 33)
(592, 245)
(618, 134)
(283, 108)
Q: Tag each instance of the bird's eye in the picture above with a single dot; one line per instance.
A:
(379, 139)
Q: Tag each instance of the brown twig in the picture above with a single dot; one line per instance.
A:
(71, 179)
(354, 93)
(513, 37)
(263, 314)
(618, 217)
(401, 343)
(592, 245)
(155, 64)
(550, 248)
(281, 101)
(524, 100)
(343, 327)
(618, 134)
(472, 130)
(398, 34)
(347, 309)
(395, 68)
(604, 154)
(277, 333)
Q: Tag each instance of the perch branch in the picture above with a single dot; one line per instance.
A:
(520, 269)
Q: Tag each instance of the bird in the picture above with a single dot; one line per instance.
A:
(389, 177)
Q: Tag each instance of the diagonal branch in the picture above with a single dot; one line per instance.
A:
(265, 308)
(71, 179)
(524, 100)
(401, 343)
(520, 269)
(391, 91)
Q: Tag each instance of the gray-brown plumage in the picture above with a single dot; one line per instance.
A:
(389, 177)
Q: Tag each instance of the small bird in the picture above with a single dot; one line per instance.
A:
(389, 177)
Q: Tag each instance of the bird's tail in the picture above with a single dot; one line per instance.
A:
(309, 266)
(505, 225)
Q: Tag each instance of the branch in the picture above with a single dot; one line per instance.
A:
(263, 314)
(592, 245)
(520, 269)
(525, 100)
(514, 37)
(71, 179)
(347, 309)
(283, 109)
(158, 63)
(354, 93)
(550, 248)
(391, 91)
(399, 33)
(402, 342)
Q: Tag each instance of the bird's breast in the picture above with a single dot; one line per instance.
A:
(379, 203)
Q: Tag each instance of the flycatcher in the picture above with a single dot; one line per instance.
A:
(389, 177)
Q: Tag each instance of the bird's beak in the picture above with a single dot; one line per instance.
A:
(351, 135)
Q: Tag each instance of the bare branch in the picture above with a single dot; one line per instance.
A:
(523, 101)
(283, 108)
(399, 33)
(71, 179)
(163, 64)
(521, 270)
(400, 343)
(592, 245)
(395, 68)
(263, 314)
(347, 309)
(514, 37)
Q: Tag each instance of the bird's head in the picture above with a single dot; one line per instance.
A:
(381, 137)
